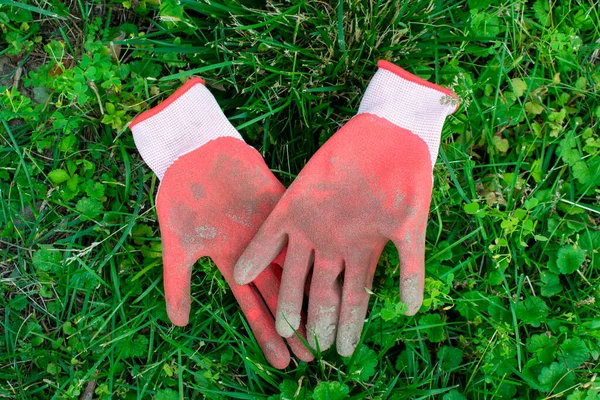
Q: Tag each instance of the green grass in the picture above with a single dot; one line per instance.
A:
(512, 243)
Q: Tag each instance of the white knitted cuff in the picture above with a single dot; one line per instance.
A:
(186, 120)
(409, 102)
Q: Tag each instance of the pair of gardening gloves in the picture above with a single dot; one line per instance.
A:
(368, 184)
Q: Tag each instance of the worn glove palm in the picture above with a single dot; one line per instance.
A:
(214, 194)
(370, 183)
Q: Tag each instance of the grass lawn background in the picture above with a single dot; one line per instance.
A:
(512, 283)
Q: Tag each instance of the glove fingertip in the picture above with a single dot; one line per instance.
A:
(412, 296)
(345, 349)
(278, 360)
(179, 315)
(300, 350)
(286, 326)
(259, 254)
(298, 347)
(244, 272)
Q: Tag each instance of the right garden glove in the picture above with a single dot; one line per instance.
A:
(215, 191)
(370, 183)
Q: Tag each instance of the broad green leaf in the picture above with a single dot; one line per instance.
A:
(471, 208)
(550, 284)
(531, 203)
(73, 184)
(142, 231)
(47, 260)
(581, 83)
(89, 208)
(557, 116)
(365, 361)
(582, 173)
(574, 352)
(154, 250)
(67, 143)
(58, 176)
(19, 302)
(227, 356)
(402, 362)
(95, 190)
(136, 347)
(534, 108)
(449, 357)
(567, 151)
(498, 311)
(84, 279)
(501, 144)
(52, 369)
(168, 370)
(590, 241)
(543, 347)
(387, 314)
(33, 332)
(505, 390)
(519, 86)
(556, 378)
(536, 170)
(471, 305)
(330, 391)
(171, 11)
(68, 328)
(41, 94)
(484, 24)
(481, 4)
(444, 253)
(454, 395)
(569, 258)
(540, 7)
(166, 394)
(290, 391)
(500, 360)
(495, 277)
(433, 327)
(589, 394)
(532, 311)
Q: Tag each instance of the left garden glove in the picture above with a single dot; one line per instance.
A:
(214, 194)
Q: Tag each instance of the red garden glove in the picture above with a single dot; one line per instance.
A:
(370, 183)
(214, 194)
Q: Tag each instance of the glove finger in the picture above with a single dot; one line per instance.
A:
(280, 259)
(177, 275)
(298, 261)
(299, 348)
(324, 302)
(261, 322)
(411, 249)
(268, 283)
(260, 253)
(358, 277)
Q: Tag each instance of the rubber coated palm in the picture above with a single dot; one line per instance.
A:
(210, 203)
(370, 183)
